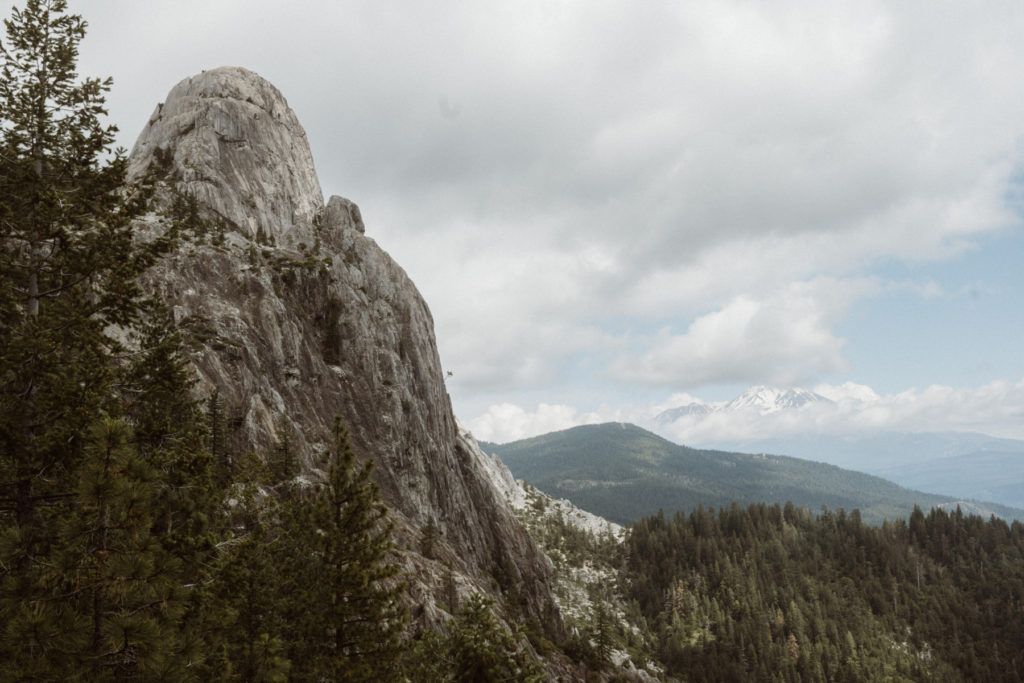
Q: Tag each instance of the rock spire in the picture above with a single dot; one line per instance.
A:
(233, 143)
(315, 320)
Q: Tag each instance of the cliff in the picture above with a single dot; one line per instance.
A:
(296, 316)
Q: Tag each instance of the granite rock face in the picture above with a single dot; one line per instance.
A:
(296, 316)
(239, 149)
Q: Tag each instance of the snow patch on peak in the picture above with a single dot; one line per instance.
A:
(762, 399)
(771, 400)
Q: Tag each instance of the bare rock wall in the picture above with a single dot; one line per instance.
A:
(297, 316)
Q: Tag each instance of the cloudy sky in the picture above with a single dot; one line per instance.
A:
(612, 207)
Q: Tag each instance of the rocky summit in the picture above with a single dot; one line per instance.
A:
(237, 147)
(295, 315)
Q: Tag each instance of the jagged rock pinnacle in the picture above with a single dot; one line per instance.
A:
(228, 138)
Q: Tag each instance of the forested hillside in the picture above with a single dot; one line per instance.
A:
(624, 473)
(776, 593)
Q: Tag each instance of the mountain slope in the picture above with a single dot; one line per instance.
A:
(985, 475)
(624, 473)
(960, 464)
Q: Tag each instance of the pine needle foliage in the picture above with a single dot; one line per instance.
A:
(246, 597)
(777, 593)
(476, 649)
(68, 264)
(99, 440)
(345, 609)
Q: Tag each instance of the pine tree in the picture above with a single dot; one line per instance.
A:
(67, 261)
(247, 599)
(106, 602)
(602, 631)
(131, 582)
(249, 610)
(157, 386)
(105, 497)
(217, 440)
(482, 649)
(428, 539)
(284, 465)
(67, 275)
(170, 433)
(346, 614)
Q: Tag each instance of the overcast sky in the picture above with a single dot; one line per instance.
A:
(612, 207)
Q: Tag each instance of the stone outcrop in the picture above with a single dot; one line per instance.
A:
(296, 316)
(238, 148)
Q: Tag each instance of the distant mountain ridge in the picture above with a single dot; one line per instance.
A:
(982, 475)
(965, 465)
(623, 473)
(771, 400)
(961, 464)
(763, 399)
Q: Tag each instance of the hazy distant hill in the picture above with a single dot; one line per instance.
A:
(960, 464)
(988, 475)
(623, 473)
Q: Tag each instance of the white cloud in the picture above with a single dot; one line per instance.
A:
(847, 392)
(782, 337)
(508, 422)
(729, 172)
(503, 422)
(995, 408)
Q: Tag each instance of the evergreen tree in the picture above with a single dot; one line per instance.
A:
(481, 649)
(818, 601)
(428, 539)
(249, 610)
(217, 440)
(67, 261)
(476, 649)
(248, 600)
(284, 465)
(105, 496)
(106, 602)
(602, 631)
(131, 583)
(170, 433)
(67, 274)
(346, 617)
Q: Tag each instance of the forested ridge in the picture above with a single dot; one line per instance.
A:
(778, 593)
(624, 473)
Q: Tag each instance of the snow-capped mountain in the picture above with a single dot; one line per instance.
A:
(764, 400)
(772, 400)
(837, 429)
